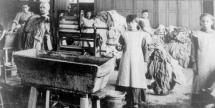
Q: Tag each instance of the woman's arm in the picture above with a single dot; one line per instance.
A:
(193, 57)
(15, 22)
(2, 35)
(145, 49)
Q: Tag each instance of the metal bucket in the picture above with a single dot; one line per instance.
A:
(114, 99)
(9, 40)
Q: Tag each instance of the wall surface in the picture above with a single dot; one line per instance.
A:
(167, 12)
(208, 6)
(126, 7)
(179, 12)
(61, 4)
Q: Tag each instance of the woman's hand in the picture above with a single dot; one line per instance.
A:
(119, 47)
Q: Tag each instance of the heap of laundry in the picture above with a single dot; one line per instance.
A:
(117, 25)
(164, 71)
(179, 45)
(170, 52)
(169, 47)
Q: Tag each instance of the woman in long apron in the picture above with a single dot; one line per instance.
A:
(203, 59)
(18, 25)
(37, 30)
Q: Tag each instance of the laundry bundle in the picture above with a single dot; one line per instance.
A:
(180, 52)
(157, 40)
(178, 45)
(117, 25)
(164, 71)
(104, 16)
(117, 29)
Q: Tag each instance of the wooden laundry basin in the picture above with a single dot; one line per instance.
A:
(85, 74)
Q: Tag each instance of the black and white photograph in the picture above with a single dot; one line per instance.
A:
(107, 53)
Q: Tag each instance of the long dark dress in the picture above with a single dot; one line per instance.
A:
(37, 33)
(20, 21)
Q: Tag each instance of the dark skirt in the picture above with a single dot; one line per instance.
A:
(19, 40)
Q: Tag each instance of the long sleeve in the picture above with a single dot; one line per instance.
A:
(16, 21)
(193, 57)
(17, 18)
(145, 49)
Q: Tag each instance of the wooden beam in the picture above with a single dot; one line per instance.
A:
(1, 99)
(33, 98)
(47, 98)
(84, 102)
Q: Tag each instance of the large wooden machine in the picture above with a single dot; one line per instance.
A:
(67, 69)
(71, 34)
(79, 40)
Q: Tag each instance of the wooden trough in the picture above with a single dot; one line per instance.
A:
(82, 74)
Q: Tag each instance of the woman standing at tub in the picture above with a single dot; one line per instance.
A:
(203, 59)
(37, 30)
(18, 25)
(133, 66)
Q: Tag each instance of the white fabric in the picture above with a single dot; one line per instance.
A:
(68, 22)
(118, 28)
(206, 60)
(213, 89)
(68, 26)
(88, 23)
(118, 19)
(132, 65)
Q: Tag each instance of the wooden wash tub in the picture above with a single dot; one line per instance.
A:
(76, 73)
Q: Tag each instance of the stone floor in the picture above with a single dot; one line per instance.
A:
(17, 97)
(178, 98)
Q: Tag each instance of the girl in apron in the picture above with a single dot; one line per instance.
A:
(133, 66)
(203, 60)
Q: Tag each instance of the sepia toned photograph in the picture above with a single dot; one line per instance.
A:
(107, 54)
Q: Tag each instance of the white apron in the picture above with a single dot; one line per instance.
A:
(132, 65)
(205, 61)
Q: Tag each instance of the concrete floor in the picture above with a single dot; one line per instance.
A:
(17, 97)
(178, 98)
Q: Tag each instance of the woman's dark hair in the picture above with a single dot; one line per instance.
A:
(131, 18)
(144, 10)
